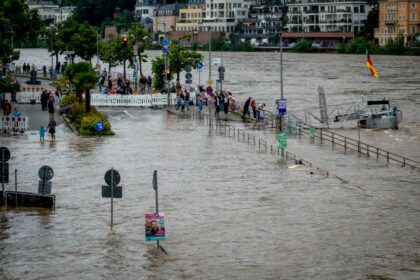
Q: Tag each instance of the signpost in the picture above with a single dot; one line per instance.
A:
(112, 179)
(155, 229)
(281, 107)
(165, 45)
(282, 140)
(45, 173)
(99, 126)
(199, 66)
(4, 176)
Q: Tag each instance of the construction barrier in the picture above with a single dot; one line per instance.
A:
(14, 123)
(144, 100)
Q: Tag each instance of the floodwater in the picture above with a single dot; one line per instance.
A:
(231, 211)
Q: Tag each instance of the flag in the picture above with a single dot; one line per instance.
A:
(369, 64)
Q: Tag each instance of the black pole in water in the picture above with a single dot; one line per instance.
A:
(2, 171)
(16, 200)
(155, 187)
(112, 196)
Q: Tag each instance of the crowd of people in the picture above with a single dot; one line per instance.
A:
(108, 85)
(223, 101)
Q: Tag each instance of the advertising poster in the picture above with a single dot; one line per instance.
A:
(155, 227)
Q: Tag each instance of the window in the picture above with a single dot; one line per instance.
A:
(413, 5)
(413, 30)
(413, 16)
(356, 10)
(362, 9)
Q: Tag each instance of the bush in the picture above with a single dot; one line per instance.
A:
(87, 124)
(68, 100)
(303, 46)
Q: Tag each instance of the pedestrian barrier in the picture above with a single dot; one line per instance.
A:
(27, 97)
(143, 100)
(15, 124)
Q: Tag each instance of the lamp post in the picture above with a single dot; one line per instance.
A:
(281, 86)
(52, 59)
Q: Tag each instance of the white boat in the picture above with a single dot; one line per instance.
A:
(380, 115)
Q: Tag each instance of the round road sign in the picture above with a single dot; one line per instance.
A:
(4, 154)
(46, 173)
(187, 68)
(99, 126)
(200, 65)
(116, 177)
(221, 69)
(188, 76)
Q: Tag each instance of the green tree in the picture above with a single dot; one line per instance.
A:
(179, 57)
(139, 35)
(124, 21)
(303, 46)
(84, 78)
(17, 23)
(158, 70)
(80, 38)
(108, 53)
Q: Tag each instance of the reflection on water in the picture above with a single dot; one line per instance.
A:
(231, 212)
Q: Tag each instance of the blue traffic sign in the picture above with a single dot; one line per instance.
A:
(281, 107)
(165, 42)
(164, 50)
(200, 65)
(100, 126)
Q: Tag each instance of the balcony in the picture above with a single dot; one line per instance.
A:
(390, 21)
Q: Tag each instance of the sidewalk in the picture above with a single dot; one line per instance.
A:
(37, 117)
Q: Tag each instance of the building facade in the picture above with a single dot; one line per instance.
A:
(398, 17)
(191, 17)
(266, 20)
(46, 9)
(223, 15)
(165, 17)
(326, 15)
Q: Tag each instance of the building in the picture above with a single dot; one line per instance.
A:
(144, 11)
(63, 13)
(265, 22)
(46, 9)
(165, 17)
(326, 15)
(224, 15)
(398, 17)
(191, 17)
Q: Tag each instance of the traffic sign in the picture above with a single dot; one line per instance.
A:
(281, 107)
(200, 65)
(188, 82)
(221, 69)
(221, 76)
(116, 177)
(187, 68)
(4, 154)
(4, 177)
(99, 126)
(188, 76)
(210, 82)
(282, 140)
(165, 42)
(116, 192)
(44, 187)
(164, 50)
(46, 173)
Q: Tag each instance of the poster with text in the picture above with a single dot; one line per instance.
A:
(155, 227)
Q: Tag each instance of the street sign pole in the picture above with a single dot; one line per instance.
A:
(2, 169)
(155, 187)
(112, 196)
(16, 204)
(281, 84)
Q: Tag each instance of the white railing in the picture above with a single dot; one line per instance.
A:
(14, 123)
(141, 100)
(26, 97)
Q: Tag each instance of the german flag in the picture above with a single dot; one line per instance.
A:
(369, 64)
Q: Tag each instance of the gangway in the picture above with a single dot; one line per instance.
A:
(332, 116)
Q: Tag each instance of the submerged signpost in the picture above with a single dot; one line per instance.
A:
(112, 190)
(155, 223)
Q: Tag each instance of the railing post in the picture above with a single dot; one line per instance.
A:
(377, 153)
(403, 161)
(332, 139)
(320, 135)
(345, 145)
(387, 157)
(367, 150)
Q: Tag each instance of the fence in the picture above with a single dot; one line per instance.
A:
(142, 100)
(241, 135)
(15, 124)
(295, 126)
